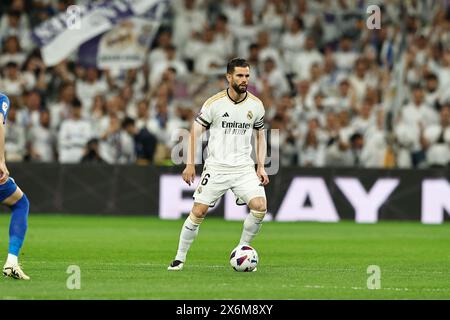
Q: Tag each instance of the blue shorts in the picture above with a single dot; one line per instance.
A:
(7, 189)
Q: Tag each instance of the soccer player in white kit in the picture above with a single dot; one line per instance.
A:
(231, 116)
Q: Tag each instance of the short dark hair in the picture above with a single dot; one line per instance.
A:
(76, 103)
(11, 64)
(355, 137)
(299, 20)
(92, 141)
(14, 13)
(127, 122)
(431, 76)
(222, 17)
(253, 46)
(236, 62)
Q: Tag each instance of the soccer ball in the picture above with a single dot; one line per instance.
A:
(244, 258)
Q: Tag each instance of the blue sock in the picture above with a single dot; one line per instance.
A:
(19, 224)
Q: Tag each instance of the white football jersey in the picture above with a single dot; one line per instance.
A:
(231, 125)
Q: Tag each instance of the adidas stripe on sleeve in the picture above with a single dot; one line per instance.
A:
(259, 124)
(204, 117)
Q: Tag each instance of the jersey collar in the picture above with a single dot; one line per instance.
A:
(237, 102)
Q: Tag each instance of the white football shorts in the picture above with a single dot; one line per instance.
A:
(213, 185)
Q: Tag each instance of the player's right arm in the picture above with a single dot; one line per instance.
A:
(189, 172)
(202, 122)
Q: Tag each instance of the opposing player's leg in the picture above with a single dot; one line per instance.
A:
(211, 187)
(188, 234)
(19, 204)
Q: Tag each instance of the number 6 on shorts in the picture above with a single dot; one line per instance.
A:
(205, 179)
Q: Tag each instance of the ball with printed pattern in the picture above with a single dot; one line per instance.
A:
(244, 258)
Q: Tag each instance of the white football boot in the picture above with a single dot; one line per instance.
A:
(14, 271)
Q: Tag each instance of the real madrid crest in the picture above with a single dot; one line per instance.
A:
(199, 190)
(250, 115)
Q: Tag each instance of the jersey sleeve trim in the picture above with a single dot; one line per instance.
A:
(202, 122)
(259, 124)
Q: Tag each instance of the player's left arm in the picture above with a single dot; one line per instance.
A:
(261, 149)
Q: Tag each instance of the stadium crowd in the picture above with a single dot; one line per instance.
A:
(339, 93)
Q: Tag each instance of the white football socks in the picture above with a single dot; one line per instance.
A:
(11, 260)
(188, 233)
(252, 225)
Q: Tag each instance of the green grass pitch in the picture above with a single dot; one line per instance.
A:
(127, 257)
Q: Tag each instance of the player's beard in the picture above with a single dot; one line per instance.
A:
(239, 89)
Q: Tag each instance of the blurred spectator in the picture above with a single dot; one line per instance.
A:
(15, 24)
(207, 54)
(34, 73)
(60, 110)
(268, 50)
(127, 95)
(293, 40)
(98, 113)
(245, 32)
(274, 16)
(189, 19)
(435, 140)
(13, 83)
(158, 54)
(285, 146)
(302, 62)
(91, 154)
(171, 61)
(126, 152)
(359, 79)
(42, 140)
(160, 122)
(233, 9)
(345, 57)
(432, 92)
(443, 73)
(12, 52)
(253, 57)
(109, 131)
(224, 38)
(312, 153)
(146, 144)
(30, 115)
(363, 120)
(377, 152)
(340, 154)
(88, 87)
(414, 118)
(345, 99)
(15, 138)
(73, 136)
(274, 77)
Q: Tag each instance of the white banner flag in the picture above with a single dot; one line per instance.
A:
(63, 34)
